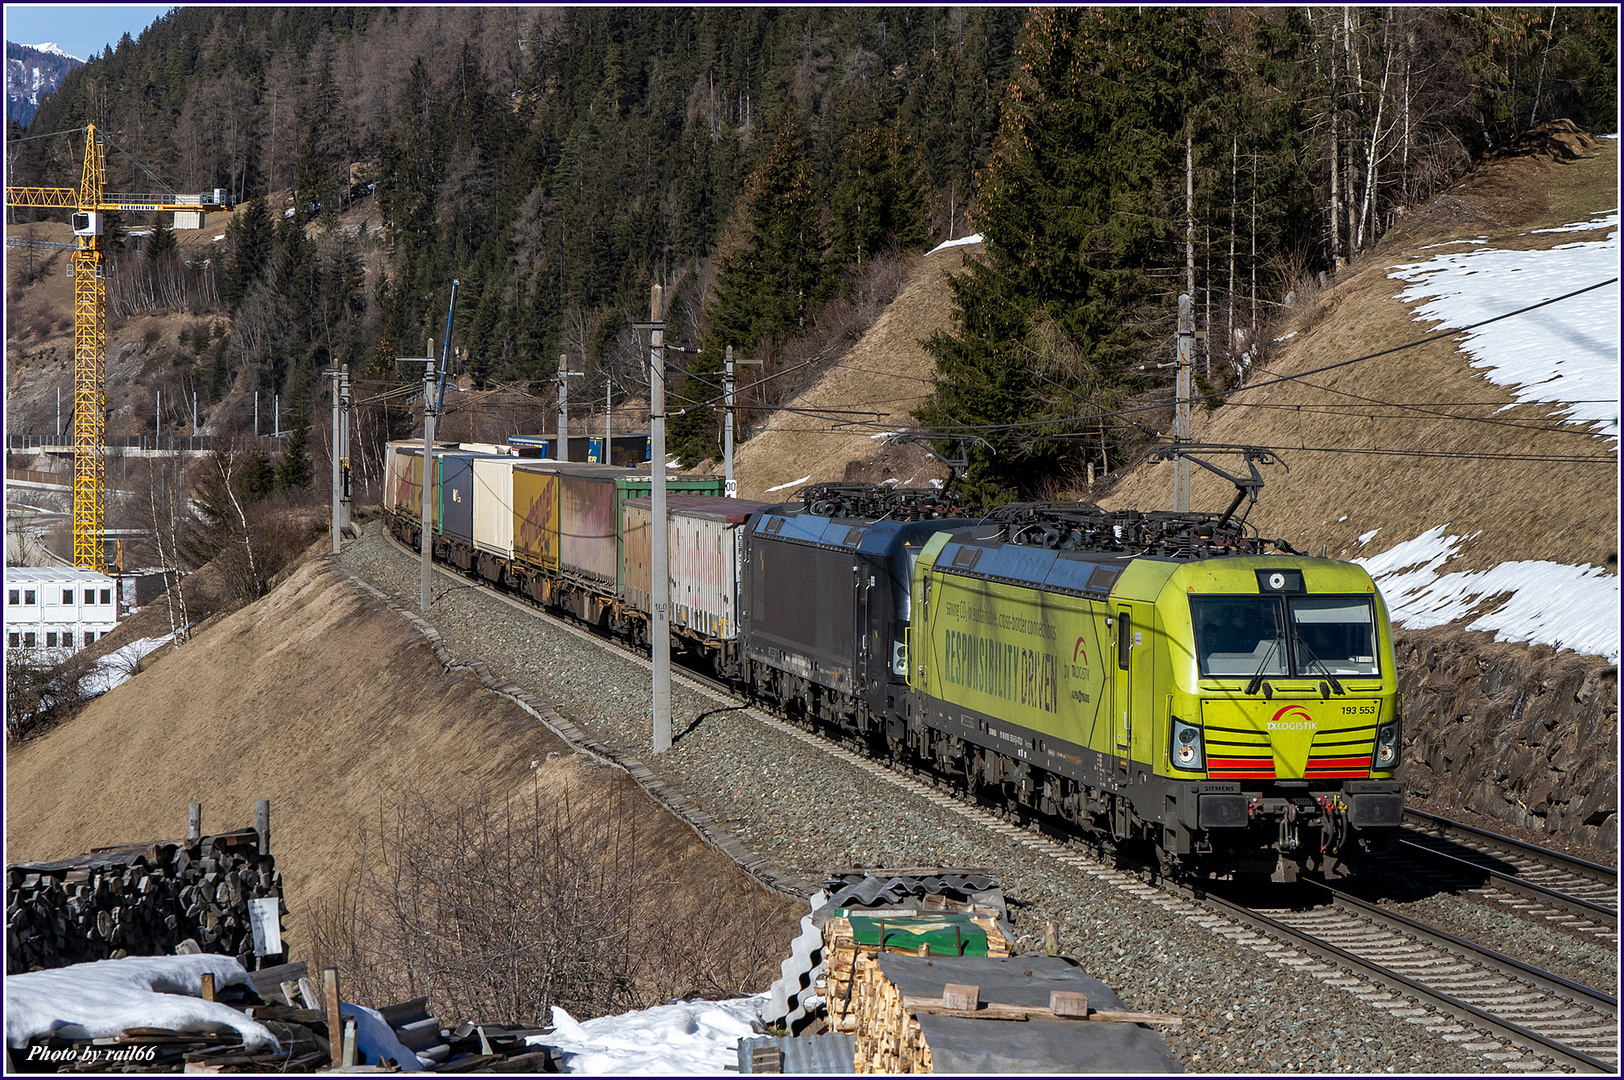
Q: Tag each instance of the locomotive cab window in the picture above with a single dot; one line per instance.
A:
(1239, 636)
(1334, 635)
(1244, 636)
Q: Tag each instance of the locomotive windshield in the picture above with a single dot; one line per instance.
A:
(1245, 636)
(1333, 635)
(1239, 635)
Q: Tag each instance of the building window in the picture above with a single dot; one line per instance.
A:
(12, 641)
(13, 597)
(29, 640)
(28, 596)
(67, 640)
(67, 596)
(107, 596)
(90, 596)
(90, 638)
(50, 641)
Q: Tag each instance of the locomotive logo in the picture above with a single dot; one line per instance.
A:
(1292, 718)
(1079, 653)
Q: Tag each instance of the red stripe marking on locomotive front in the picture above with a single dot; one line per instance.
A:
(1337, 774)
(1333, 763)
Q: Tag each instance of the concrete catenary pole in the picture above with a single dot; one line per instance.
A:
(428, 484)
(338, 479)
(564, 406)
(731, 487)
(344, 447)
(1181, 405)
(659, 562)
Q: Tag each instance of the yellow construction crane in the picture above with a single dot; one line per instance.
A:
(90, 204)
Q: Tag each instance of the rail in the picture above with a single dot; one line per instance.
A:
(1444, 827)
(1439, 1000)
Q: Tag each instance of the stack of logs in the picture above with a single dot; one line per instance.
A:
(142, 900)
(889, 1038)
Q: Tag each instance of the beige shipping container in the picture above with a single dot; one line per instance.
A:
(493, 505)
(704, 543)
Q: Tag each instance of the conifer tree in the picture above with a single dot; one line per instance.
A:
(1077, 211)
(250, 235)
(294, 472)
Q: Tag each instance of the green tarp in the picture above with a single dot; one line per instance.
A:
(946, 934)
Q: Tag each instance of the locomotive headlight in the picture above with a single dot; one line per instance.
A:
(1186, 749)
(1386, 755)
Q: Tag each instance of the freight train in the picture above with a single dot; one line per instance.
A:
(1159, 683)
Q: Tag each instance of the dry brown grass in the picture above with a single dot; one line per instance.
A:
(1516, 509)
(887, 371)
(320, 700)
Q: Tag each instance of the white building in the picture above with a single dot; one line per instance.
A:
(54, 611)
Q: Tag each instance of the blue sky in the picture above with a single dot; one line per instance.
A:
(79, 30)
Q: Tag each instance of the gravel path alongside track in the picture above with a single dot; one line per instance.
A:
(807, 811)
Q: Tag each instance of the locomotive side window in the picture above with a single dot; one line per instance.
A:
(1238, 636)
(1334, 635)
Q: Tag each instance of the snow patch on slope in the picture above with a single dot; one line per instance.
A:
(1539, 602)
(1565, 354)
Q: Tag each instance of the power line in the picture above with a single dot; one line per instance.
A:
(1431, 411)
(1096, 417)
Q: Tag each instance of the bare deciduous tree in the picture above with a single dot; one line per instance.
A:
(502, 909)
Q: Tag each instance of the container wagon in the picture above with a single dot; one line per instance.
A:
(705, 554)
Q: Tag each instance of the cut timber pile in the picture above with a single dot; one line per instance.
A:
(139, 900)
(938, 927)
(889, 1039)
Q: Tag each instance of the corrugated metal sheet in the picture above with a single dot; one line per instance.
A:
(830, 1054)
(867, 890)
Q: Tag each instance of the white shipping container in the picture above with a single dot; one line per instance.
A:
(493, 505)
(704, 542)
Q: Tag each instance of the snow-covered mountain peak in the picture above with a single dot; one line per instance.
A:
(53, 48)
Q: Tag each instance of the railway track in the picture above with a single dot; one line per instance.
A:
(1534, 882)
(1527, 1008)
(1513, 1014)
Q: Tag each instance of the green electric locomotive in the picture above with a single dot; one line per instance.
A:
(1162, 680)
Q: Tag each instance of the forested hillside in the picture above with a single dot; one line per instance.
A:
(760, 161)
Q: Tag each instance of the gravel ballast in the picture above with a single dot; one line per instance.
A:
(808, 811)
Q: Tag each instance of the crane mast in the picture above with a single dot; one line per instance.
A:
(89, 203)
